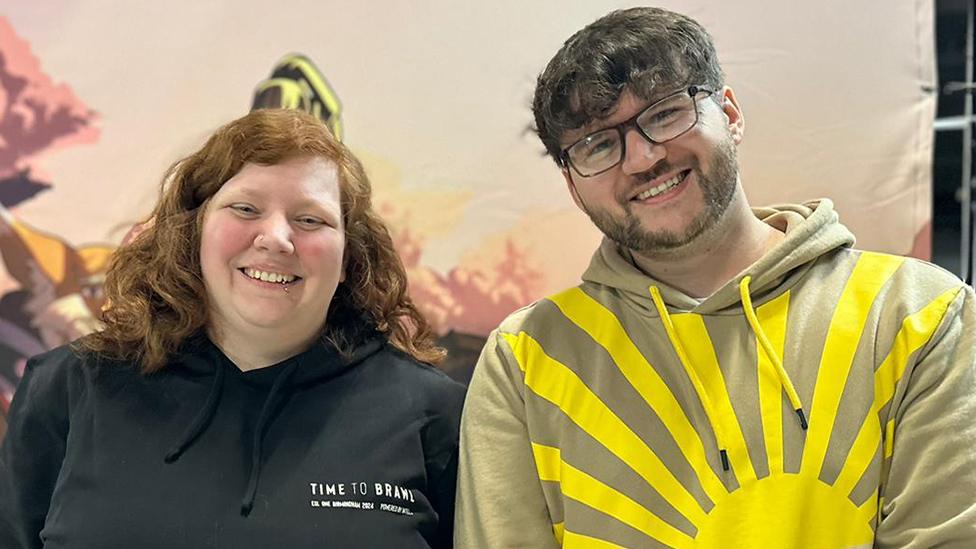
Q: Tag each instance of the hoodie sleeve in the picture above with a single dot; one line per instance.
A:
(929, 499)
(500, 501)
(32, 452)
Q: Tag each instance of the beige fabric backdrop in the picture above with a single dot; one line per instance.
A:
(837, 97)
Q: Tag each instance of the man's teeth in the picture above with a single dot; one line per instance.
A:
(269, 277)
(654, 191)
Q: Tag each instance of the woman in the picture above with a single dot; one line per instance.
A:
(262, 378)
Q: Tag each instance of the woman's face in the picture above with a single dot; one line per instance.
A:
(271, 250)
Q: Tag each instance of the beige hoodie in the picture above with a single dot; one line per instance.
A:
(824, 397)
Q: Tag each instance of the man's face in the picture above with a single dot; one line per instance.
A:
(662, 197)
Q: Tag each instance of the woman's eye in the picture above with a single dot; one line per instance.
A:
(311, 221)
(244, 208)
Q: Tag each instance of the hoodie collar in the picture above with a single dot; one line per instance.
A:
(321, 361)
(812, 230)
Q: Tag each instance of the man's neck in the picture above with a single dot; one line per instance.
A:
(738, 240)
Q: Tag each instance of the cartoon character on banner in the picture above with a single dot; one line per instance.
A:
(59, 293)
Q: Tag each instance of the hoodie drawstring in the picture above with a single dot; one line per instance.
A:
(263, 420)
(209, 410)
(202, 420)
(784, 378)
(679, 349)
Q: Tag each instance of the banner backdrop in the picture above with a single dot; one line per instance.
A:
(97, 98)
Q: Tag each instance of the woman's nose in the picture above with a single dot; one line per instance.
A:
(275, 236)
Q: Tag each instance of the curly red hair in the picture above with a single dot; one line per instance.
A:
(154, 287)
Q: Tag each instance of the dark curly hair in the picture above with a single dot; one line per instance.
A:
(155, 294)
(641, 49)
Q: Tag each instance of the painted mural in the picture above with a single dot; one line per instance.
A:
(53, 289)
(97, 99)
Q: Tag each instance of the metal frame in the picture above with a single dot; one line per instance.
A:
(967, 251)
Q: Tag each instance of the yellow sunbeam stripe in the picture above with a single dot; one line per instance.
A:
(859, 458)
(605, 329)
(573, 540)
(916, 330)
(578, 485)
(559, 385)
(691, 329)
(870, 274)
(547, 462)
(772, 318)
(889, 446)
(559, 530)
(869, 508)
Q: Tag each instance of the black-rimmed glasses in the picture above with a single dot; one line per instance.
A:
(659, 123)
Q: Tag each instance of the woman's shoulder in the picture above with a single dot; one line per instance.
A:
(418, 374)
(60, 362)
(71, 364)
(52, 381)
(413, 383)
(433, 396)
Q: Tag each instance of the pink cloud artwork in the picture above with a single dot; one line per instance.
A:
(37, 115)
(469, 300)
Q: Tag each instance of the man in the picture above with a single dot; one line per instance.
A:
(724, 376)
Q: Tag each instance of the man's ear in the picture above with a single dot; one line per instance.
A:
(730, 106)
(572, 188)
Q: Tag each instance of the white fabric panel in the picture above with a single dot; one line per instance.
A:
(837, 96)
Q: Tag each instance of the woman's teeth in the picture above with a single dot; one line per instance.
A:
(269, 277)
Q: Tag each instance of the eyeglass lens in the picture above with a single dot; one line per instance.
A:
(661, 122)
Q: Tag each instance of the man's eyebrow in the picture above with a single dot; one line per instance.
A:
(599, 124)
(657, 96)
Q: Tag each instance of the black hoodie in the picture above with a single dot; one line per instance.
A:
(317, 451)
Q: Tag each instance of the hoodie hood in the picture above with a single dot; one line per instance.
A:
(812, 230)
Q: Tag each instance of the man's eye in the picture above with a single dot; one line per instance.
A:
(665, 116)
(599, 147)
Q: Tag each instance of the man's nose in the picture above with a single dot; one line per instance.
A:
(640, 154)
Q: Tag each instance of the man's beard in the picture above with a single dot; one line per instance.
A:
(718, 189)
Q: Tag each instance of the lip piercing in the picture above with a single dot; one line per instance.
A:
(286, 289)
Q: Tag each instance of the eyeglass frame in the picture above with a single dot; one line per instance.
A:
(692, 91)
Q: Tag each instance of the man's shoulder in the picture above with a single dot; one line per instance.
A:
(540, 312)
(921, 271)
(914, 273)
(901, 270)
(901, 285)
